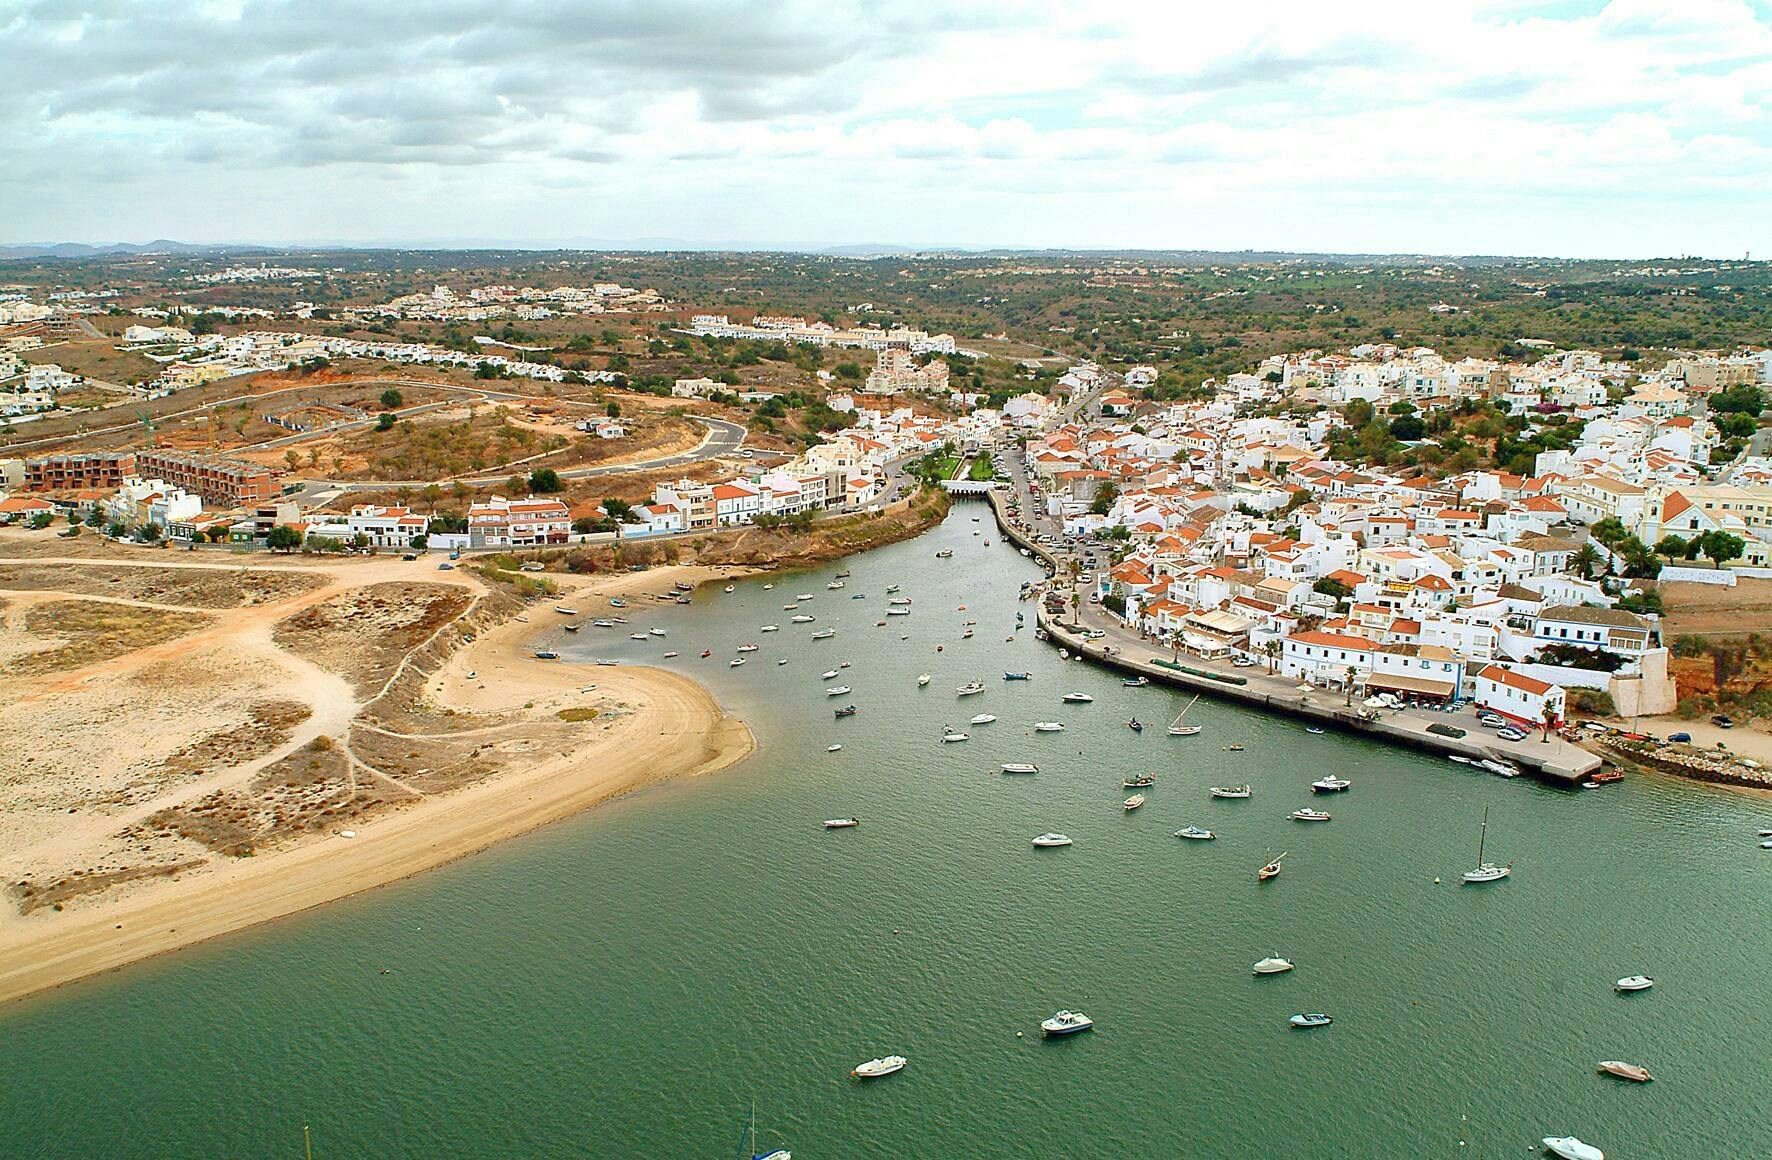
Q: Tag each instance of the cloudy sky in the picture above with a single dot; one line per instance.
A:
(1635, 127)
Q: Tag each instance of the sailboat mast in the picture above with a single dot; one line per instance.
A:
(1483, 838)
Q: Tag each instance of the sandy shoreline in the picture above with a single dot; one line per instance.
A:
(668, 727)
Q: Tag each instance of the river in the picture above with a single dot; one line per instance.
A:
(629, 981)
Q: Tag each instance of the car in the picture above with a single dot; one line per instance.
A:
(445, 566)
(1682, 738)
(409, 555)
(1723, 721)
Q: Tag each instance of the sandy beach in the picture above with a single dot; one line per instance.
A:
(649, 725)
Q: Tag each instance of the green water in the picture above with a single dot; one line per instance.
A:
(627, 982)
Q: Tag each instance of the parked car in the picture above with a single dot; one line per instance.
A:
(1681, 738)
(1509, 733)
(1722, 721)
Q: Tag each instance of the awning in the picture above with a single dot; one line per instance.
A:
(1421, 685)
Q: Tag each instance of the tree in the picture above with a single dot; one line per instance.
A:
(1584, 560)
(1331, 587)
(386, 422)
(391, 399)
(1671, 546)
(613, 410)
(619, 509)
(1743, 400)
(1105, 495)
(1609, 531)
(544, 481)
(283, 538)
(1721, 547)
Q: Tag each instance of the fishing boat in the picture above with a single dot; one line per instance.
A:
(1066, 1023)
(951, 736)
(1177, 729)
(735, 662)
(841, 823)
(770, 628)
(546, 654)
(1272, 965)
(1271, 870)
(1231, 791)
(836, 690)
(802, 618)
(1608, 776)
(902, 600)
(983, 719)
(1634, 983)
(875, 1068)
(845, 711)
(898, 612)
(1046, 841)
(603, 624)
(1309, 815)
(969, 688)
(563, 610)
(1077, 699)
(1018, 676)
(1195, 833)
(1135, 725)
(1625, 1070)
(1129, 682)
(1132, 802)
(1330, 784)
(1310, 1019)
(945, 554)
(1048, 726)
(748, 648)
(1138, 780)
(922, 680)
(824, 634)
(1019, 767)
(834, 585)
(1486, 871)
(1571, 1148)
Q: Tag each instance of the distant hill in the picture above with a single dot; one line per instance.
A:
(82, 250)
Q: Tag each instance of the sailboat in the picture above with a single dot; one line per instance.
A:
(747, 1143)
(1177, 729)
(1486, 871)
(1271, 870)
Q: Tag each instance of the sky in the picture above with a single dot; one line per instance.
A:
(1632, 128)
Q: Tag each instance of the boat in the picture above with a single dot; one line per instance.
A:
(841, 823)
(836, 690)
(1634, 983)
(669, 655)
(1330, 784)
(603, 661)
(1500, 768)
(1309, 815)
(1138, 780)
(898, 612)
(573, 627)
(546, 654)
(617, 602)
(789, 607)
(945, 554)
(706, 653)
(1132, 802)
(656, 632)
(563, 610)
(767, 587)
(636, 636)
(1129, 682)
(1177, 729)
(1018, 676)
(779, 660)
(730, 588)
(1020, 767)
(832, 748)
(603, 624)
(1272, 965)
(1045, 841)
(748, 648)
(951, 736)
(983, 719)
(902, 600)
(735, 662)
(804, 596)
(922, 680)
(834, 585)
(875, 1068)
(969, 688)
(891, 588)
(1195, 833)
(1462, 760)
(1608, 776)
(1048, 726)
(1571, 1148)
(1234, 747)
(1271, 870)
(1066, 1023)
(844, 574)
(1135, 725)
(1310, 1019)
(1486, 871)
(828, 675)
(1315, 729)
(967, 635)
(750, 1149)
(824, 634)
(686, 586)
(1231, 791)
(770, 628)
(1077, 699)
(1625, 1070)
(845, 711)
(802, 618)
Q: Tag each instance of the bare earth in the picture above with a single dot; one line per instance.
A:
(1709, 610)
(175, 714)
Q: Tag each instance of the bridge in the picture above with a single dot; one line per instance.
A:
(968, 486)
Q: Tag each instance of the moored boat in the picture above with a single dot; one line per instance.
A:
(748, 648)
(922, 679)
(875, 1068)
(1077, 698)
(1019, 767)
(1066, 1023)
(1486, 871)
(1330, 784)
(1133, 802)
(983, 719)
(1271, 870)
(841, 823)
(546, 654)
(1018, 676)
(969, 689)
(1048, 726)
(1309, 815)
(836, 690)
(1138, 780)
(1572, 1148)
(1634, 983)
(1272, 965)
(824, 634)
(1047, 841)
(1135, 725)
(845, 711)
(1135, 682)
(1623, 1070)
(1195, 833)
(1231, 791)
(1310, 1019)
(951, 736)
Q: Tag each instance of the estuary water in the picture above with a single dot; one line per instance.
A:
(626, 983)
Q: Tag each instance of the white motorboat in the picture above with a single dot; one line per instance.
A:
(832, 748)
(969, 689)
(1311, 1019)
(802, 618)
(768, 587)
(898, 612)
(1020, 767)
(1330, 784)
(730, 588)
(902, 600)
(1309, 815)
(669, 655)
(1486, 871)
(891, 588)
(1066, 1023)
(828, 675)
(789, 607)
(1133, 802)
(1077, 699)
(735, 662)
(1195, 833)
(602, 624)
(1571, 1148)
(565, 610)
(1500, 768)
(1634, 983)
(1231, 791)
(824, 634)
(875, 1068)
(922, 680)
(1623, 1070)
(983, 719)
(1045, 841)
(952, 736)
(836, 690)
(748, 648)
(841, 823)
(655, 632)
(834, 585)
(770, 628)
(1272, 965)
(1462, 760)
(1048, 726)
(636, 636)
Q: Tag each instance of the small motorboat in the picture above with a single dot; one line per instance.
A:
(922, 680)
(1132, 802)
(636, 636)
(1330, 784)
(1235, 747)
(1048, 726)
(841, 823)
(898, 612)
(843, 575)
(969, 689)
(1231, 791)
(564, 610)
(1138, 780)
(789, 607)
(1272, 965)
(875, 1068)
(748, 648)
(891, 588)
(655, 632)
(1020, 767)
(735, 662)
(1046, 841)
(967, 635)
(770, 628)
(546, 654)
(1066, 1023)
(902, 600)
(834, 585)
(768, 587)
(1634, 983)
(1315, 729)
(1135, 725)
(707, 652)
(1623, 1070)
(832, 748)
(845, 711)
(1135, 682)
(983, 719)
(804, 596)
(617, 602)
(1571, 1148)
(669, 655)
(951, 736)
(1018, 676)
(802, 618)
(1608, 776)
(730, 588)
(1077, 699)
(603, 623)
(828, 675)
(945, 554)
(1500, 768)
(1461, 759)
(1195, 833)
(1309, 815)
(859, 596)
(836, 690)
(1310, 1019)
(824, 634)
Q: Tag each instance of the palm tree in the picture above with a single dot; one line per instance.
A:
(1548, 719)
(1273, 648)
(1584, 560)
